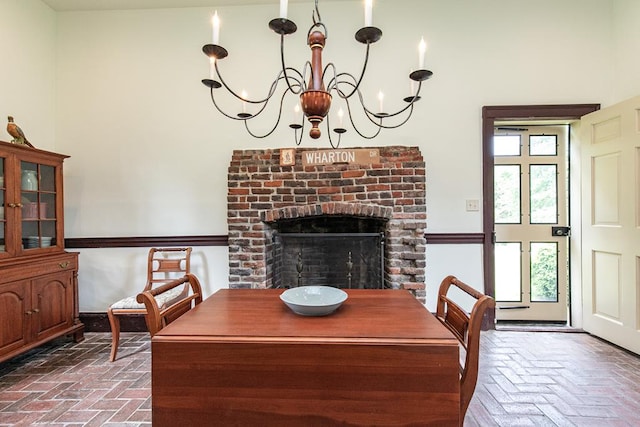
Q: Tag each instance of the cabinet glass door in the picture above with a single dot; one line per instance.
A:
(38, 199)
(3, 219)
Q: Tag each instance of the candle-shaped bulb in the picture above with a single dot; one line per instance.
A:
(296, 113)
(340, 117)
(412, 85)
(381, 100)
(212, 67)
(215, 21)
(368, 13)
(283, 9)
(422, 48)
(243, 95)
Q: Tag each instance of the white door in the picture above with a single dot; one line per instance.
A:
(610, 161)
(530, 205)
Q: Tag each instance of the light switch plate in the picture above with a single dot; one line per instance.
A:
(473, 205)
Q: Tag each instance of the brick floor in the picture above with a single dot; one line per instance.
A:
(526, 379)
(554, 379)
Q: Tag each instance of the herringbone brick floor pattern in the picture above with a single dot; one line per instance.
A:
(554, 379)
(526, 379)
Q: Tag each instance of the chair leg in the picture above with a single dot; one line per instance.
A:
(114, 321)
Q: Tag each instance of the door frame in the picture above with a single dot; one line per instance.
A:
(491, 114)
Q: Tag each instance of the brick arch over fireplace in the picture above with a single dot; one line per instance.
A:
(262, 192)
(328, 208)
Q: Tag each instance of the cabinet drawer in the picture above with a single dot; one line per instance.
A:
(63, 264)
(38, 267)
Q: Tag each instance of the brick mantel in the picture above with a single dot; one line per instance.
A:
(261, 193)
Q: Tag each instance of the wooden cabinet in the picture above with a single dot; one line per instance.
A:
(38, 278)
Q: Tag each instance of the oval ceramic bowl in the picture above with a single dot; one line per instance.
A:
(313, 300)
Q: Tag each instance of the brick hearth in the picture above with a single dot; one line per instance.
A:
(261, 192)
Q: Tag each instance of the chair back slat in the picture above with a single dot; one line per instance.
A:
(167, 264)
(466, 327)
(456, 320)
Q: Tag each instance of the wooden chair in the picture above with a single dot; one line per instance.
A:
(158, 317)
(466, 327)
(163, 266)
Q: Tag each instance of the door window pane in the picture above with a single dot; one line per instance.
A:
(543, 145)
(543, 194)
(508, 271)
(544, 272)
(507, 194)
(506, 145)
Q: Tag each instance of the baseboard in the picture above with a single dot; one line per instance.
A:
(99, 322)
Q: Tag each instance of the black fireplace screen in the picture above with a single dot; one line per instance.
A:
(342, 260)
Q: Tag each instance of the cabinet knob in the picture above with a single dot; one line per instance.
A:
(12, 205)
(36, 310)
(29, 313)
(64, 264)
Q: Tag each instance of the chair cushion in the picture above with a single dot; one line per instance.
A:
(163, 299)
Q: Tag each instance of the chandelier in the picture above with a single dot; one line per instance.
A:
(315, 96)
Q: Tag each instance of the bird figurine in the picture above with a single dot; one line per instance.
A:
(17, 134)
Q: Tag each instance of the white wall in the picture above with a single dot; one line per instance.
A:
(626, 33)
(27, 75)
(149, 153)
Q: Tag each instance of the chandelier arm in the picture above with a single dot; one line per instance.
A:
(271, 92)
(298, 141)
(334, 81)
(221, 111)
(354, 125)
(264, 104)
(246, 125)
(262, 107)
(285, 68)
(409, 107)
(370, 113)
(382, 126)
(329, 135)
(307, 66)
(364, 69)
(336, 84)
(297, 84)
(414, 98)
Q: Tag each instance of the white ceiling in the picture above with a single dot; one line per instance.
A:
(70, 5)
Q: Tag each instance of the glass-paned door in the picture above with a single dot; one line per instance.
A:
(530, 203)
(38, 199)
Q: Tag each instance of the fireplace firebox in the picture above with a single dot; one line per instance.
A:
(340, 251)
(342, 260)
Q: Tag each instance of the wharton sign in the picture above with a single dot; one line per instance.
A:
(347, 156)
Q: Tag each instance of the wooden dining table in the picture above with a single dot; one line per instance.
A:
(243, 358)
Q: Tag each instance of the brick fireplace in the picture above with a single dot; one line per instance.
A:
(262, 193)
